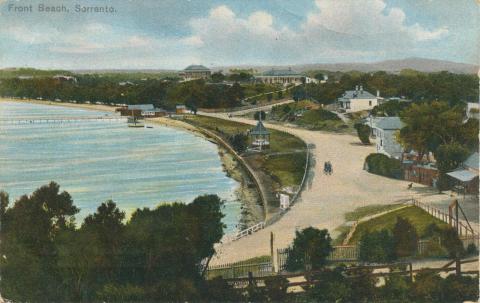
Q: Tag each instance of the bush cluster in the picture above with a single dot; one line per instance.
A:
(381, 164)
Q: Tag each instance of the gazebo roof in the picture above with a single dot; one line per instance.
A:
(259, 129)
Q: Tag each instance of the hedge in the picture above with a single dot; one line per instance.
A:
(381, 164)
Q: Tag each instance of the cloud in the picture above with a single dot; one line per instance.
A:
(335, 28)
(27, 35)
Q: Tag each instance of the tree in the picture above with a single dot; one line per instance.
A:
(311, 247)
(429, 125)
(377, 247)
(29, 230)
(389, 109)
(319, 76)
(269, 97)
(298, 93)
(449, 157)
(239, 142)
(217, 77)
(279, 94)
(4, 201)
(363, 132)
(405, 238)
(58, 206)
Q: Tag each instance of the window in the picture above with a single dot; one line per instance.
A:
(370, 103)
(381, 142)
(347, 105)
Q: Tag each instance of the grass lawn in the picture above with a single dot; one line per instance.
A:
(369, 210)
(287, 169)
(284, 161)
(417, 216)
(309, 115)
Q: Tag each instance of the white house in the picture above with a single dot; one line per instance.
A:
(358, 100)
(386, 141)
(372, 122)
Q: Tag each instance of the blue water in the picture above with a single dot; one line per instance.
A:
(97, 161)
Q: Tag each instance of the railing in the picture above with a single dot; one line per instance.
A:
(463, 230)
(340, 253)
(277, 216)
(384, 270)
(239, 269)
(249, 231)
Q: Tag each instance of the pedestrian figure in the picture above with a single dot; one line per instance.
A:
(325, 168)
(330, 168)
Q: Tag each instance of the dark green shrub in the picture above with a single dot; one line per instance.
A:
(396, 289)
(363, 132)
(460, 289)
(452, 243)
(311, 246)
(239, 142)
(377, 247)
(332, 287)
(276, 289)
(427, 287)
(381, 164)
(405, 238)
(472, 249)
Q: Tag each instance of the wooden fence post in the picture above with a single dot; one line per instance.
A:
(271, 252)
(410, 268)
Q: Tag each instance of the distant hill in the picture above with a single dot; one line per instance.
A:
(391, 66)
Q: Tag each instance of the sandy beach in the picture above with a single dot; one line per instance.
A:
(326, 198)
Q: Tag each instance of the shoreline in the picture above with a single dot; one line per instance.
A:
(251, 212)
(252, 209)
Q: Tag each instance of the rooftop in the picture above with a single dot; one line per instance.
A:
(281, 72)
(462, 175)
(197, 68)
(358, 94)
(390, 123)
(259, 129)
(141, 107)
(472, 161)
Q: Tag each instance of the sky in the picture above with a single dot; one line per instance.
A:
(171, 34)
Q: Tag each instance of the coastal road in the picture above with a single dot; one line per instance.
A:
(325, 199)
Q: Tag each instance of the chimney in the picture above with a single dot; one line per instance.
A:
(378, 93)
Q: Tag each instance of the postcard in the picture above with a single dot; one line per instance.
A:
(239, 151)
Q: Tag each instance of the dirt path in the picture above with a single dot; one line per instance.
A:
(326, 198)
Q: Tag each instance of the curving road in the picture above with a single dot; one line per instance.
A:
(326, 198)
